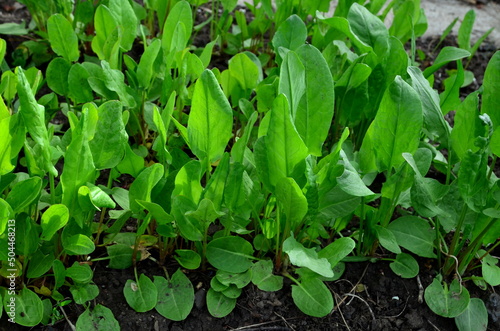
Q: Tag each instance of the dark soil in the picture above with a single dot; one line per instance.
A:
(369, 296)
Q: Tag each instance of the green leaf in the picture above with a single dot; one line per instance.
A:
(12, 137)
(210, 120)
(387, 239)
(189, 227)
(78, 85)
(414, 234)
(108, 145)
(142, 296)
(281, 153)
(312, 297)
(53, 219)
(467, 127)
(180, 13)
(131, 164)
(491, 84)
(107, 34)
(27, 305)
(315, 109)
(292, 202)
(120, 256)
(24, 193)
(175, 296)
(369, 28)
(337, 250)
(33, 116)
(62, 37)
(244, 71)
(215, 189)
(187, 182)
(447, 301)
(143, 185)
(231, 254)
(306, 257)
(292, 81)
(188, 259)
(80, 273)
(57, 75)
(490, 270)
(450, 97)
(396, 127)
(465, 30)
(79, 244)
(40, 263)
(83, 293)
(114, 80)
(240, 280)
(145, 71)
(263, 278)
(472, 180)
(474, 318)
(124, 15)
(218, 304)
(446, 55)
(405, 266)
(100, 318)
(350, 180)
(291, 34)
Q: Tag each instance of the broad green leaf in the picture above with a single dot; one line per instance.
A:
(28, 307)
(79, 244)
(315, 109)
(368, 27)
(187, 181)
(78, 85)
(205, 212)
(180, 13)
(62, 37)
(387, 239)
(414, 234)
(120, 256)
(34, 119)
(188, 259)
(313, 298)
(292, 202)
(214, 190)
(91, 197)
(291, 34)
(210, 120)
(39, 264)
(446, 55)
(108, 145)
(447, 301)
(292, 82)
(12, 137)
(491, 84)
(396, 127)
(244, 71)
(142, 296)
(450, 97)
(143, 185)
(240, 280)
(113, 79)
(229, 5)
(53, 219)
(124, 15)
(467, 126)
(262, 276)
(334, 202)
(281, 153)
(175, 296)
(306, 257)
(105, 26)
(238, 150)
(189, 226)
(100, 318)
(342, 24)
(83, 293)
(350, 181)
(24, 193)
(465, 30)
(405, 266)
(474, 318)
(490, 270)
(218, 304)
(337, 250)
(57, 75)
(231, 254)
(472, 180)
(80, 273)
(145, 71)
(5, 215)
(131, 164)
(59, 273)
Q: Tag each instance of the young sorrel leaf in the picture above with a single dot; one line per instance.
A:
(446, 55)
(337, 250)
(142, 295)
(175, 296)
(62, 37)
(218, 304)
(143, 185)
(306, 257)
(474, 318)
(214, 190)
(188, 259)
(231, 254)
(315, 109)
(292, 202)
(472, 180)
(180, 13)
(78, 85)
(57, 75)
(491, 85)
(131, 164)
(124, 15)
(120, 256)
(187, 181)
(189, 226)
(84, 292)
(262, 276)
(24, 193)
(350, 181)
(414, 234)
(113, 79)
(34, 119)
(145, 70)
(80, 273)
(387, 239)
(468, 126)
(292, 83)
(490, 270)
(78, 244)
(205, 213)
(210, 120)
(108, 145)
(405, 266)
(244, 71)
(240, 280)
(450, 97)
(291, 34)
(396, 127)
(434, 124)
(28, 307)
(368, 27)
(106, 42)
(312, 297)
(40, 263)
(447, 301)
(465, 30)
(281, 153)
(100, 318)
(53, 219)
(12, 137)
(91, 197)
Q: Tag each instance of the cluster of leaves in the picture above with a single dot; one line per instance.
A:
(254, 171)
